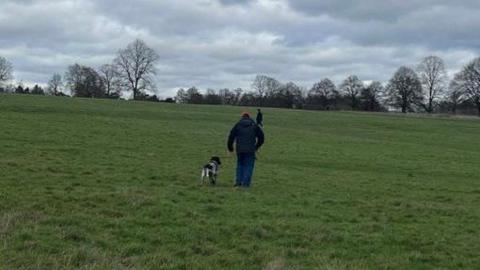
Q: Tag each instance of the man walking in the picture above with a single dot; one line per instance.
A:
(259, 118)
(248, 138)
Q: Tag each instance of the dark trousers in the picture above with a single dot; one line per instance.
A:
(245, 165)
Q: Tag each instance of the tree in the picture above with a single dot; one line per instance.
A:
(111, 79)
(455, 94)
(6, 71)
(227, 97)
(370, 97)
(238, 95)
(181, 96)
(351, 88)
(20, 89)
(146, 97)
(194, 96)
(37, 90)
(322, 93)
(84, 82)
(212, 98)
(55, 84)
(404, 89)
(295, 94)
(136, 64)
(248, 99)
(168, 100)
(286, 96)
(433, 77)
(468, 79)
(265, 86)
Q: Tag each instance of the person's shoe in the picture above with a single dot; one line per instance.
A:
(237, 185)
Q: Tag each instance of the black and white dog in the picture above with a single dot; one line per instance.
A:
(210, 170)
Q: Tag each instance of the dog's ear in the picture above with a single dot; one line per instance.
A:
(217, 159)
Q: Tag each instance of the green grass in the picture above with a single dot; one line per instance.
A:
(101, 184)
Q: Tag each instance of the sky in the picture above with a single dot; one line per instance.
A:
(226, 43)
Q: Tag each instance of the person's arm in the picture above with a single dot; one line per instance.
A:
(231, 138)
(260, 138)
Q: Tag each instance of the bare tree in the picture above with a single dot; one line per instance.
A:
(111, 79)
(455, 94)
(211, 97)
(227, 97)
(265, 86)
(469, 81)
(295, 95)
(136, 64)
(260, 85)
(181, 96)
(404, 89)
(84, 82)
(6, 70)
(194, 96)
(288, 95)
(190, 96)
(370, 97)
(248, 99)
(433, 77)
(322, 93)
(238, 95)
(351, 88)
(55, 84)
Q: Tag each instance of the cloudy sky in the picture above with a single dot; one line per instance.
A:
(225, 43)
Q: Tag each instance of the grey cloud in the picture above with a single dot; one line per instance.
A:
(368, 10)
(431, 23)
(235, 2)
(225, 43)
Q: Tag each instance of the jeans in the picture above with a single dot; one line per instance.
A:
(245, 165)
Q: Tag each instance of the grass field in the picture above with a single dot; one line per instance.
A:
(101, 184)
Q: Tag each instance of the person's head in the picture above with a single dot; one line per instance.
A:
(245, 115)
(259, 110)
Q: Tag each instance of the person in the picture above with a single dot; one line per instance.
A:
(248, 138)
(259, 118)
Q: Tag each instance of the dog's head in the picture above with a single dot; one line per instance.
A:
(216, 159)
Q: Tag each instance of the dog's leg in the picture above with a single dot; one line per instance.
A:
(214, 179)
(202, 178)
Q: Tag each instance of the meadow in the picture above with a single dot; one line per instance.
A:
(109, 184)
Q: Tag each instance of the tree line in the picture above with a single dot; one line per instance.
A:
(425, 88)
(132, 71)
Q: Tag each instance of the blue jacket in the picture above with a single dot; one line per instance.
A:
(248, 136)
